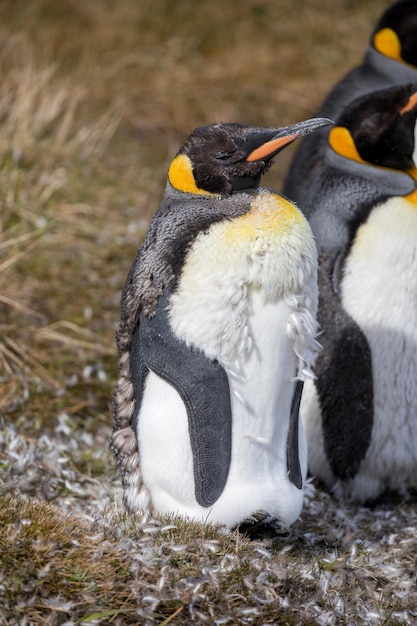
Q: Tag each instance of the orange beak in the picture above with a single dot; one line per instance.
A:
(412, 102)
(273, 141)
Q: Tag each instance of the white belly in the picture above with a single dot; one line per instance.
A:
(380, 292)
(261, 400)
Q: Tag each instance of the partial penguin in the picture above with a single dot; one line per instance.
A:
(391, 59)
(217, 333)
(360, 412)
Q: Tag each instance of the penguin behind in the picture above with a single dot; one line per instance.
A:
(391, 59)
(360, 412)
(217, 333)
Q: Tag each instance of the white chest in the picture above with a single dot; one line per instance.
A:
(269, 251)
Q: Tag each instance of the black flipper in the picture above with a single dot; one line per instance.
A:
(203, 386)
(293, 457)
(344, 378)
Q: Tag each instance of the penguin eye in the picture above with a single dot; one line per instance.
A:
(224, 155)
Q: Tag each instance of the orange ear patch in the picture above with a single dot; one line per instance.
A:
(342, 142)
(387, 43)
(181, 177)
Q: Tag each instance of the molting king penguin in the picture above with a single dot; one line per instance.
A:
(360, 412)
(391, 59)
(216, 335)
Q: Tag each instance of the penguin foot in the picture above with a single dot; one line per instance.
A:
(262, 525)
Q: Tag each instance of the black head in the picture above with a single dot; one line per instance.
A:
(227, 158)
(395, 35)
(379, 128)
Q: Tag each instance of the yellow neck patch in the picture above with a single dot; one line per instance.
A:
(412, 197)
(181, 177)
(342, 142)
(270, 219)
(388, 44)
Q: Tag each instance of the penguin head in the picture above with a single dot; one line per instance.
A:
(395, 35)
(379, 128)
(223, 159)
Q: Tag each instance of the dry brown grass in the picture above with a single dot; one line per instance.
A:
(95, 97)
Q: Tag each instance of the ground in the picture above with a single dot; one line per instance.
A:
(95, 98)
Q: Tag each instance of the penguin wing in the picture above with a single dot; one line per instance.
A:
(204, 388)
(293, 457)
(343, 378)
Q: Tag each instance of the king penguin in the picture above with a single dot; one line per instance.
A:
(217, 333)
(360, 412)
(391, 59)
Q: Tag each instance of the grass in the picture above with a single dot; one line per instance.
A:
(95, 99)
(59, 568)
